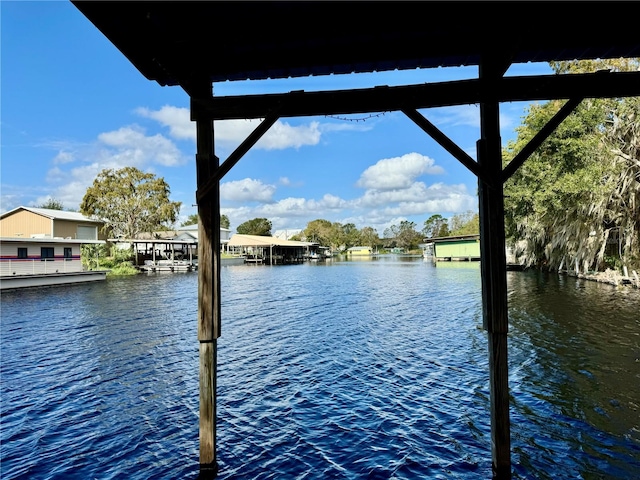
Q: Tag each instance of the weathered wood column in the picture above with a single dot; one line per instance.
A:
(209, 305)
(494, 276)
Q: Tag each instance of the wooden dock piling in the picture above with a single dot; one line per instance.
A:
(209, 304)
(494, 276)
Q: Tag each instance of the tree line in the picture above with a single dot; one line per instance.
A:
(339, 236)
(576, 201)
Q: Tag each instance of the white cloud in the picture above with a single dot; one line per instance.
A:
(417, 194)
(464, 115)
(288, 212)
(72, 184)
(347, 126)
(8, 202)
(228, 134)
(284, 181)
(302, 207)
(452, 203)
(129, 146)
(247, 190)
(282, 135)
(56, 174)
(68, 179)
(177, 119)
(63, 157)
(398, 172)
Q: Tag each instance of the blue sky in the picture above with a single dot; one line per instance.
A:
(73, 105)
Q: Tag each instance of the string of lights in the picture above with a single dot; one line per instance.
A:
(360, 119)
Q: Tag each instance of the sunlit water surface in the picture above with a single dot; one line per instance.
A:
(344, 370)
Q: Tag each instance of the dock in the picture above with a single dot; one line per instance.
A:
(162, 255)
(167, 266)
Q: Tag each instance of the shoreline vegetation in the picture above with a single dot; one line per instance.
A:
(119, 266)
(609, 276)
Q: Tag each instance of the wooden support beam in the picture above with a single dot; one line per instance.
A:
(540, 137)
(388, 99)
(238, 153)
(209, 304)
(444, 141)
(494, 280)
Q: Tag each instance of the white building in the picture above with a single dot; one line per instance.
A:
(30, 262)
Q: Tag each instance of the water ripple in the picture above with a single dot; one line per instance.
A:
(346, 371)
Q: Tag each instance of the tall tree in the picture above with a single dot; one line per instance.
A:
(350, 235)
(407, 237)
(582, 185)
(130, 202)
(318, 231)
(466, 223)
(369, 237)
(191, 220)
(435, 226)
(335, 240)
(256, 226)
(53, 204)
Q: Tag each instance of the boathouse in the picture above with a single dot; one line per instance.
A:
(269, 250)
(359, 251)
(456, 248)
(193, 45)
(190, 233)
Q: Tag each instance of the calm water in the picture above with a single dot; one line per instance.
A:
(349, 370)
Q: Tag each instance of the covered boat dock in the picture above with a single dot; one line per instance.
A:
(157, 255)
(196, 44)
(270, 250)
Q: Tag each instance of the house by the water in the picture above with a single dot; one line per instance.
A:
(31, 222)
(359, 251)
(40, 246)
(464, 248)
(37, 262)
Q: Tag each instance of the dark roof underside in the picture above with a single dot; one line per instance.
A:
(177, 43)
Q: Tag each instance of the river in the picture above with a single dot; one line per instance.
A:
(370, 369)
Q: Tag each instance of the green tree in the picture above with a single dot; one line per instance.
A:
(369, 237)
(466, 223)
(53, 204)
(191, 220)
(256, 226)
(407, 237)
(581, 186)
(130, 202)
(349, 235)
(390, 232)
(319, 231)
(335, 241)
(435, 226)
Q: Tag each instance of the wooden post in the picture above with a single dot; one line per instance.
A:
(208, 286)
(494, 280)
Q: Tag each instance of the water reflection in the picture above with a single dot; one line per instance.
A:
(576, 371)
